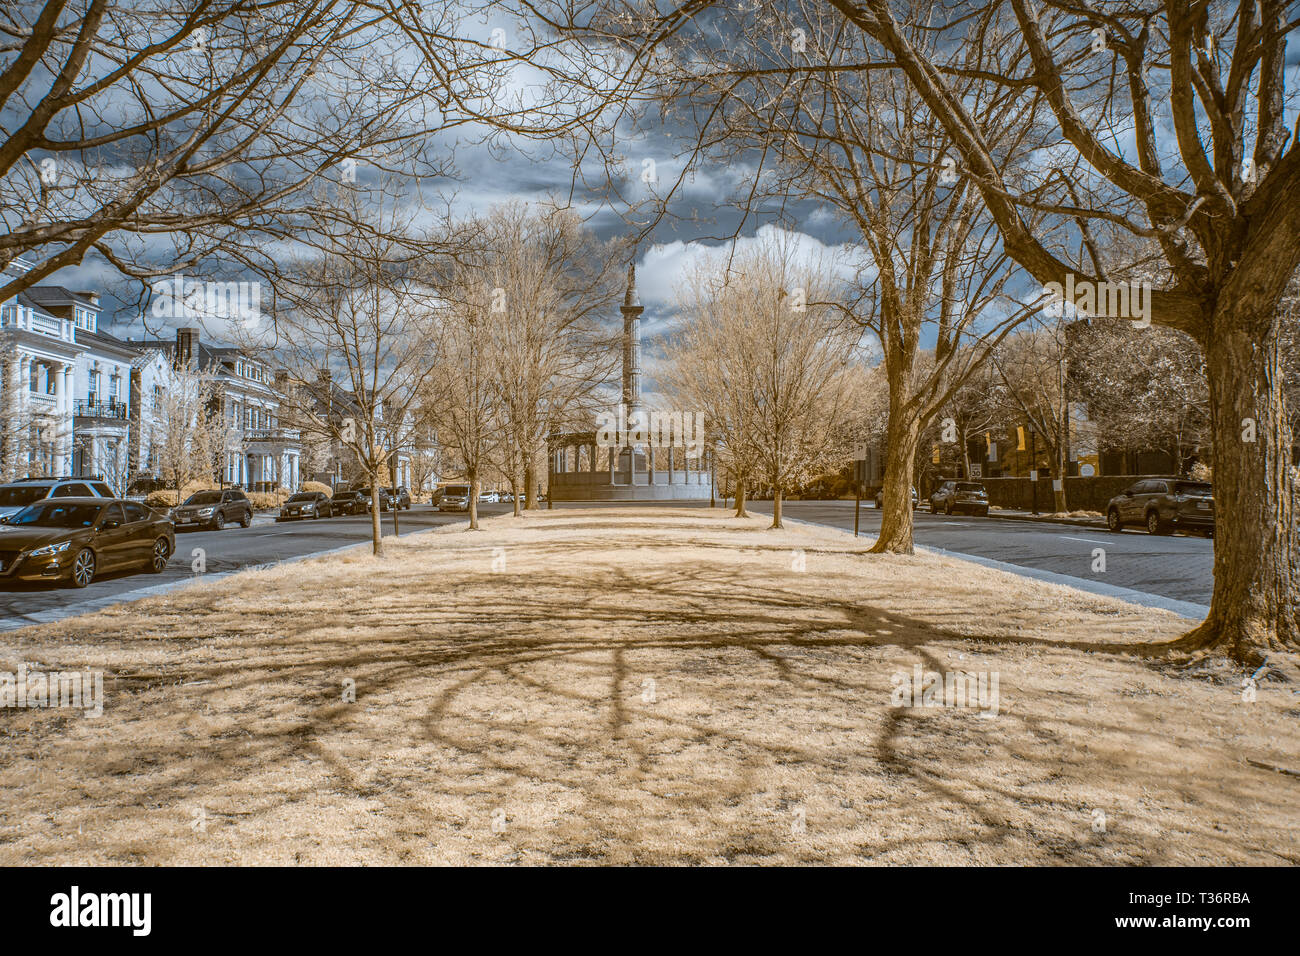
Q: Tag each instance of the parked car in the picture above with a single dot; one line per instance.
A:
(16, 495)
(489, 498)
(960, 496)
(399, 497)
(350, 503)
(454, 498)
(1163, 505)
(214, 509)
(74, 539)
(880, 496)
(306, 504)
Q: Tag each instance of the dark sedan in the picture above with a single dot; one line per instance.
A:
(350, 503)
(74, 539)
(306, 504)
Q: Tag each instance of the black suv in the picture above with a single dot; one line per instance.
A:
(958, 496)
(400, 497)
(214, 509)
(1162, 505)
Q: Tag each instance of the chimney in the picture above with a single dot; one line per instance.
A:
(187, 346)
(323, 376)
(91, 297)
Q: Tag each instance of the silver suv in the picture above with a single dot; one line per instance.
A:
(16, 495)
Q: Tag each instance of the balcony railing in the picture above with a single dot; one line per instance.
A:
(110, 409)
(272, 434)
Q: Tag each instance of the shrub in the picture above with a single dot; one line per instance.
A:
(267, 500)
(161, 500)
(317, 486)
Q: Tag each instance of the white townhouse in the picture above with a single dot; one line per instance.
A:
(55, 421)
(263, 454)
(101, 397)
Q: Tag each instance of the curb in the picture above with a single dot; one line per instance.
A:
(1188, 609)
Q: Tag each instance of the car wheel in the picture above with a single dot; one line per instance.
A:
(933, 509)
(246, 519)
(947, 509)
(83, 568)
(162, 553)
(1154, 524)
(1112, 520)
(219, 522)
(984, 513)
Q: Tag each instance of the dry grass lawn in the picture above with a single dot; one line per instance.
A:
(638, 686)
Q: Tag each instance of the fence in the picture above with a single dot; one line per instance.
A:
(1081, 494)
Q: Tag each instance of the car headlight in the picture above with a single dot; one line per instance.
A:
(51, 549)
(206, 511)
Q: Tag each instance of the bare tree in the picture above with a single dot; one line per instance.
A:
(546, 335)
(186, 428)
(357, 346)
(1202, 92)
(162, 136)
(778, 355)
(1215, 198)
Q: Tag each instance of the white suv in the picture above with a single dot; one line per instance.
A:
(17, 495)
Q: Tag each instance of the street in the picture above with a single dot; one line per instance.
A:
(1173, 571)
(222, 551)
(1177, 570)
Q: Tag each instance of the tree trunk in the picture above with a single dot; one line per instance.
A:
(530, 487)
(473, 503)
(903, 436)
(376, 529)
(514, 492)
(740, 498)
(1253, 608)
(776, 508)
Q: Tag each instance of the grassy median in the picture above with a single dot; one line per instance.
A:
(640, 686)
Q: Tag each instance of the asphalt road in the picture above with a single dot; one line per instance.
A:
(222, 551)
(1174, 571)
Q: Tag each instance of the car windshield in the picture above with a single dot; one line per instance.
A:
(969, 486)
(54, 514)
(456, 490)
(306, 496)
(23, 495)
(204, 498)
(1193, 488)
